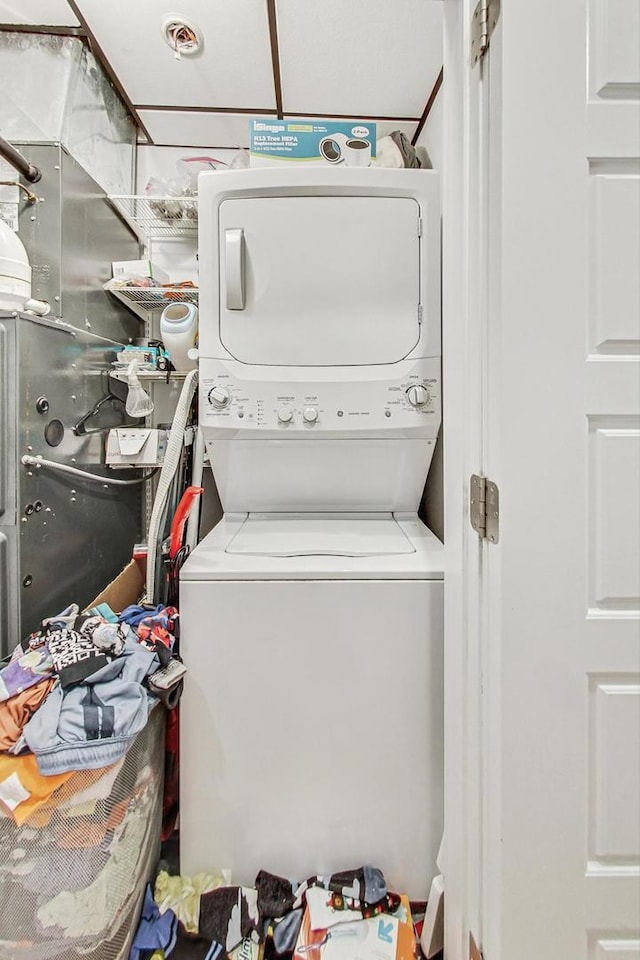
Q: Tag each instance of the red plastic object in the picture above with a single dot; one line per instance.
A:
(180, 518)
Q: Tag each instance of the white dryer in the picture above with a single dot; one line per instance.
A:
(312, 730)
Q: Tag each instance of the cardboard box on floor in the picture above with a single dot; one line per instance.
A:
(125, 589)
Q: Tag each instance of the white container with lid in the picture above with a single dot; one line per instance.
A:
(178, 330)
(15, 272)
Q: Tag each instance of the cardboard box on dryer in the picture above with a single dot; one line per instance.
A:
(325, 142)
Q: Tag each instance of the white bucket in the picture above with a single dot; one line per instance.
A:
(178, 330)
(15, 272)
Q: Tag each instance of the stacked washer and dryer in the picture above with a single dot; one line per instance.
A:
(312, 722)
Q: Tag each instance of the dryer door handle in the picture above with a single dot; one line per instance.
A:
(234, 268)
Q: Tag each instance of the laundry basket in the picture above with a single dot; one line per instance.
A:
(72, 876)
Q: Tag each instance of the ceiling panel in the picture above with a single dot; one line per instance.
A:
(50, 13)
(196, 129)
(232, 70)
(362, 57)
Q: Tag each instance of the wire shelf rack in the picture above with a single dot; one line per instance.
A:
(144, 300)
(159, 216)
(154, 376)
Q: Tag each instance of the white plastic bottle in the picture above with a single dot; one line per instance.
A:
(178, 331)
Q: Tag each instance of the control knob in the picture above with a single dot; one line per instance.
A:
(418, 395)
(310, 414)
(219, 396)
(285, 415)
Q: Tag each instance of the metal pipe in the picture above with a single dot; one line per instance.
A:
(12, 156)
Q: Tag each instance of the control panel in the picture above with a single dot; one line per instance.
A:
(340, 403)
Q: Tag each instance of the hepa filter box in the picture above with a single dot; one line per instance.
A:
(325, 142)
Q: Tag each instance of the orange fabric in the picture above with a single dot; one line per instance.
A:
(18, 710)
(80, 833)
(23, 789)
(82, 780)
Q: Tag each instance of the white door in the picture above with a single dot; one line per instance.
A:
(542, 851)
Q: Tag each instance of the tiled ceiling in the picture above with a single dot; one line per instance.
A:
(361, 57)
(370, 59)
(52, 13)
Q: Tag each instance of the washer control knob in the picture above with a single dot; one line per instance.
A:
(418, 395)
(310, 414)
(285, 415)
(219, 396)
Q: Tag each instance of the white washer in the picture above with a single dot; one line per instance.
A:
(313, 703)
(311, 726)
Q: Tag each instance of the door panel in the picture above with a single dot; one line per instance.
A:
(326, 280)
(614, 62)
(614, 516)
(614, 227)
(614, 834)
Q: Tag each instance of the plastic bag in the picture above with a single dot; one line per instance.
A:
(139, 403)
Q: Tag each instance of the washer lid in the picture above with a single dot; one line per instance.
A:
(316, 536)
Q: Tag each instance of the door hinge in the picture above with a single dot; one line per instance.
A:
(419, 313)
(419, 226)
(484, 507)
(485, 17)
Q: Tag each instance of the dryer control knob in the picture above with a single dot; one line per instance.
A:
(310, 414)
(418, 395)
(285, 415)
(219, 396)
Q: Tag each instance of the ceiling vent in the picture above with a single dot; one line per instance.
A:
(182, 35)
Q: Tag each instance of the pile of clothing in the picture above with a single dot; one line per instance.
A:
(348, 916)
(75, 694)
(72, 874)
(81, 775)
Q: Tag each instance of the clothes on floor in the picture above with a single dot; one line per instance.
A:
(285, 931)
(78, 871)
(236, 922)
(92, 724)
(16, 712)
(156, 930)
(75, 656)
(27, 668)
(135, 612)
(23, 788)
(182, 895)
(74, 846)
(228, 915)
(97, 910)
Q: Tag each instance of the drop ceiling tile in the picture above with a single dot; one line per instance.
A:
(197, 129)
(364, 57)
(233, 69)
(50, 13)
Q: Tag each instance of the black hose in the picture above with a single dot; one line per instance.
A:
(12, 156)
